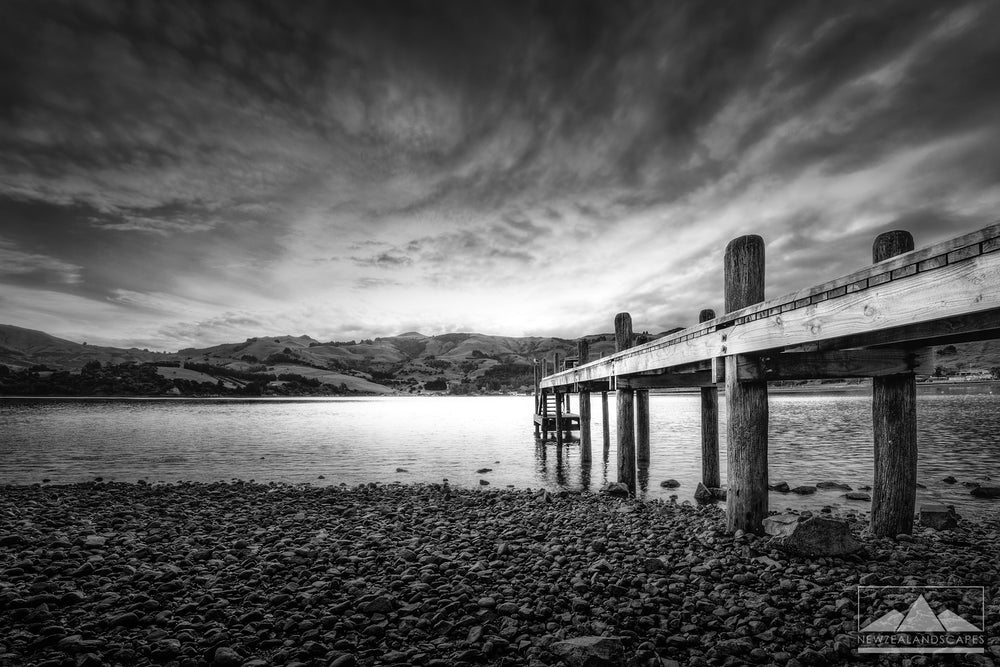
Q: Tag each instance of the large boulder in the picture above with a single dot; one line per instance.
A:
(815, 536)
(590, 651)
(938, 517)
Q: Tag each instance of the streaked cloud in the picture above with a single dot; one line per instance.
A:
(200, 172)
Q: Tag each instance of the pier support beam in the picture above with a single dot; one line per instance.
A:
(746, 402)
(642, 427)
(534, 369)
(894, 417)
(605, 425)
(583, 352)
(710, 475)
(626, 409)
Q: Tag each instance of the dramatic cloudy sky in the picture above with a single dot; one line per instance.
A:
(180, 173)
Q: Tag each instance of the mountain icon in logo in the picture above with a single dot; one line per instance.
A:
(920, 618)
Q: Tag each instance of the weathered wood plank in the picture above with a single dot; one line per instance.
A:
(833, 364)
(668, 381)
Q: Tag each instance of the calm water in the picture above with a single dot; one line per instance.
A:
(813, 437)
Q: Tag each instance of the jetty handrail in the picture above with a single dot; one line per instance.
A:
(803, 317)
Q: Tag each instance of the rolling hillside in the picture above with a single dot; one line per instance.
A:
(408, 363)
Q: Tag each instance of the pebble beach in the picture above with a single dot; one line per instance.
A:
(246, 574)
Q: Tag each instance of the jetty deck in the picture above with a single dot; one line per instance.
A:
(880, 322)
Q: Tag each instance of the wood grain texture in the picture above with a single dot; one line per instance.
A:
(744, 272)
(746, 402)
(894, 422)
(668, 380)
(833, 364)
(625, 398)
(746, 432)
(710, 475)
(626, 438)
(894, 426)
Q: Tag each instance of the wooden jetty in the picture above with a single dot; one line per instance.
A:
(879, 322)
(552, 409)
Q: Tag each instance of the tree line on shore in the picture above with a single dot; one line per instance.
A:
(131, 379)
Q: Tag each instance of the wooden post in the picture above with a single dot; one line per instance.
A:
(605, 424)
(582, 353)
(626, 409)
(746, 402)
(894, 417)
(642, 426)
(710, 475)
(559, 420)
(534, 371)
(558, 400)
(545, 416)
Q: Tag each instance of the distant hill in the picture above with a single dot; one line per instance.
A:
(22, 348)
(408, 363)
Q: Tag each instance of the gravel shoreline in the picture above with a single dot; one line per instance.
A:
(263, 574)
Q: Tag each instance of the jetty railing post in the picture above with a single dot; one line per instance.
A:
(626, 409)
(746, 402)
(710, 475)
(583, 352)
(894, 417)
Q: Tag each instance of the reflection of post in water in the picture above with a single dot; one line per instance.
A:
(585, 469)
(541, 458)
(560, 465)
(642, 468)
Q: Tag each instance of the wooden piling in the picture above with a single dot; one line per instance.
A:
(894, 419)
(559, 420)
(710, 475)
(583, 353)
(545, 403)
(606, 425)
(642, 426)
(626, 409)
(534, 370)
(746, 402)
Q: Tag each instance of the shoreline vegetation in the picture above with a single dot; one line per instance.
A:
(198, 574)
(130, 380)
